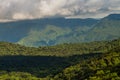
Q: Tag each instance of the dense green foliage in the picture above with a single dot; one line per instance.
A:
(58, 50)
(82, 61)
(104, 67)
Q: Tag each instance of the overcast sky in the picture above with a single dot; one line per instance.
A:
(30, 9)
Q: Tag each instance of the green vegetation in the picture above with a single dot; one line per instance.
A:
(80, 61)
(58, 50)
(104, 67)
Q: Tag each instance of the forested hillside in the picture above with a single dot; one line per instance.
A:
(59, 50)
(104, 67)
(80, 61)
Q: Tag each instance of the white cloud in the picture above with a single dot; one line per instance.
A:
(29, 9)
(17, 16)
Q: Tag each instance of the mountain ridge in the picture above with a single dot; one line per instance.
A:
(52, 31)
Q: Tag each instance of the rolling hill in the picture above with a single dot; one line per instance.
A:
(91, 61)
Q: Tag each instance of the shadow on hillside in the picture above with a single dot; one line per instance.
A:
(40, 66)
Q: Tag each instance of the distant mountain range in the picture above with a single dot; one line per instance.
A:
(52, 31)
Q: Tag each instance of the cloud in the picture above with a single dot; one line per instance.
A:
(29, 9)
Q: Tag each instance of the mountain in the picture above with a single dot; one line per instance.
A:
(40, 31)
(113, 17)
(106, 29)
(52, 31)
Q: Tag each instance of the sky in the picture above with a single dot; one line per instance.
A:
(31, 9)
